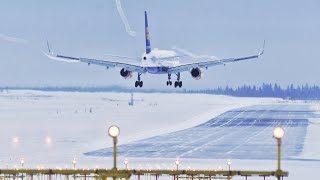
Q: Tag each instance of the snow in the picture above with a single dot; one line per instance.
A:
(312, 144)
(51, 128)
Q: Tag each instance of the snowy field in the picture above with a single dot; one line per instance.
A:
(49, 129)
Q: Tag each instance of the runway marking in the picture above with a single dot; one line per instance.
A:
(213, 142)
(252, 135)
(244, 133)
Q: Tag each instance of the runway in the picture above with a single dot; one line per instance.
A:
(244, 133)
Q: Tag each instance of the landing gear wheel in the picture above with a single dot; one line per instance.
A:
(139, 82)
(178, 84)
(169, 83)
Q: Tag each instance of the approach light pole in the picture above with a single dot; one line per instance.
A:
(126, 162)
(177, 164)
(278, 133)
(229, 162)
(22, 163)
(114, 132)
(74, 162)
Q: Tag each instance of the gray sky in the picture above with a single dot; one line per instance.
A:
(208, 27)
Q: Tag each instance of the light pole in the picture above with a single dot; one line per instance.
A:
(7, 165)
(74, 162)
(278, 133)
(177, 164)
(114, 132)
(22, 163)
(126, 162)
(229, 164)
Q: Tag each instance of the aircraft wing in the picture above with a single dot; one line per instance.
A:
(206, 64)
(108, 64)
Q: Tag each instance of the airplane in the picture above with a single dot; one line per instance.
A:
(154, 61)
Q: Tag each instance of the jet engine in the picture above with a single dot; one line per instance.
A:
(125, 73)
(196, 73)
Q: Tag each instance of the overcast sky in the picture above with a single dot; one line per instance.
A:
(221, 28)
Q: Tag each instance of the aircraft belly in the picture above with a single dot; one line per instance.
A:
(157, 70)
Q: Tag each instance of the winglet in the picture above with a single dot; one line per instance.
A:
(49, 48)
(264, 43)
(58, 57)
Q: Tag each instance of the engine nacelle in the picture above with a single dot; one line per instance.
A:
(196, 73)
(126, 74)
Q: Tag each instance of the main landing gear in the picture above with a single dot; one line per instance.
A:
(169, 82)
(139, 82)
(177, 83)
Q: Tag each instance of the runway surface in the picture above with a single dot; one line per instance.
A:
(244, 133)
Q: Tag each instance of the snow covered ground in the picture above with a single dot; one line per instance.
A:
(51, 128)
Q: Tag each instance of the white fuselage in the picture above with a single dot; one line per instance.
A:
(159, 61)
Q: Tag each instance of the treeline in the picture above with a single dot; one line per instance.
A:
(267, 90)
(307, 92)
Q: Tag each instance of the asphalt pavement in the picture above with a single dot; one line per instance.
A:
(244, 133)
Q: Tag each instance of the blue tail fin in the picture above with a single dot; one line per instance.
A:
(148, 45)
